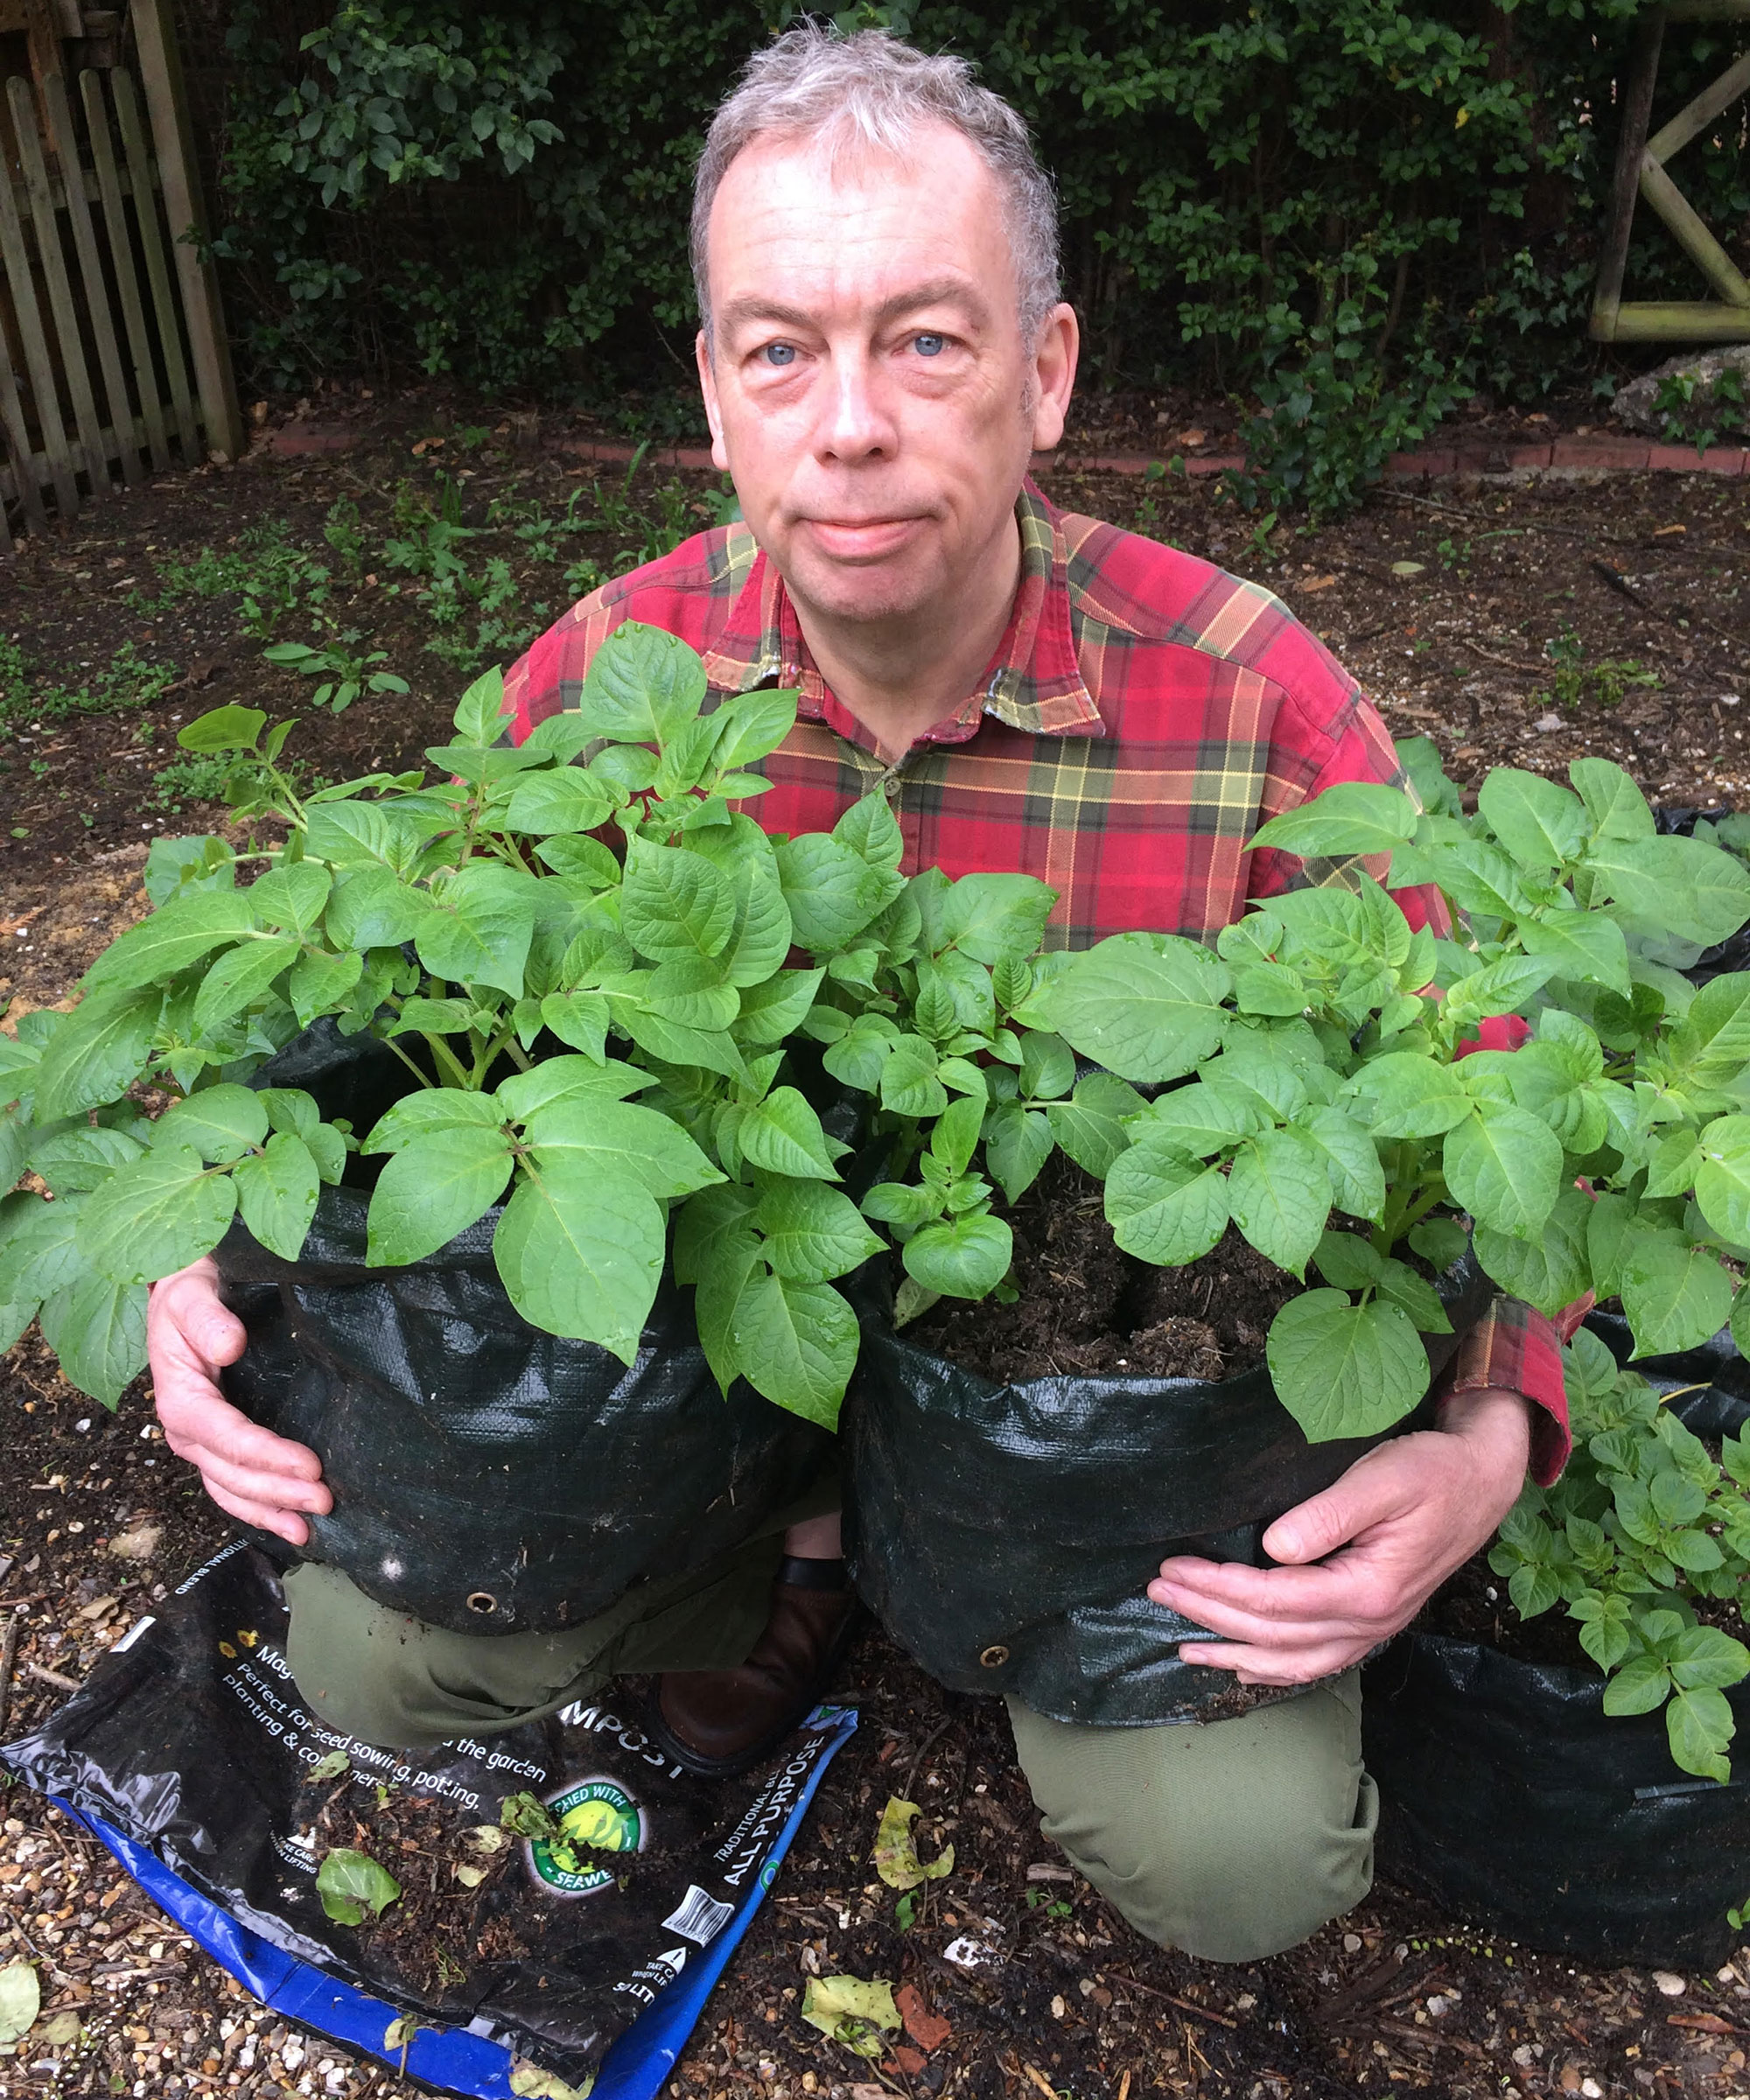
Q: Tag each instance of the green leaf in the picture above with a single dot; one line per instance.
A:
(1610, 1239)
(1550, 1271)
(994, 918)
(1144, 1006)
(1407, 1096)
(1705, 1654)
(812, 1233)
(171, 939)
(479, 930)
(644, 686)
(221, 1122)
(1017, 1142)
(1279, 1193)
(1584, 945)
(291, 897)
(1164, 1208)
(1350, 1263)
(156, 1215)
(323, 984)
(580, 859)
(1505, 1167)
(783, 1135)
(1351, 1160)
(1344, 1370)
(1090, 1125)
(436, 1186)
(566, 799)
(1712, 1044)
(40, 1255)
(223, 728)
(1400, 1286)
(72, 1161)
(1642, 1684)
(1541, 825)
(97, 1329)
(371, 908)
(479, 713)
(277, 1192)
(763, 932)
(1722, 1184)
(908, 1083)
(1502, 987)
(753, 726)
(692, 991)
(1440, 1241)
(576, 1136)
(97, 1051)
(578, 1019)
(1204, 1117)
(581, 1255)
(433, 1017)
(963, 1257)
(1615, 805)
(954, 1138)
(674, 1044)
(831, 891)
(797, 1344)
(1675, 1297)
(181, 867)
(850, 2012)
(675, 904)
(1355, 816)
(903, 1204)
(777, 1008)
(1699, 1726)
(567, 1078)
(352, 1883)
(238, 980)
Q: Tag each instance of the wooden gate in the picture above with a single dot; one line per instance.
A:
(112, 357)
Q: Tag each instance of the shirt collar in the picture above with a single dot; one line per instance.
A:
(1033, 683)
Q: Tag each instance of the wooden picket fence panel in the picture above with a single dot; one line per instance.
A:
(113, 358)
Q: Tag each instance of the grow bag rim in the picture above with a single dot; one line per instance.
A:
(878, 1275)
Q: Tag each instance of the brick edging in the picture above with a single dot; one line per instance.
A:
(1559, 456)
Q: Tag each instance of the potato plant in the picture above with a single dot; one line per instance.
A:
(1644, 1520)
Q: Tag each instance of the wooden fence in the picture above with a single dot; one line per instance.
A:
(113, 358)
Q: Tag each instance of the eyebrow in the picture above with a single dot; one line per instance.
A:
(934, 291)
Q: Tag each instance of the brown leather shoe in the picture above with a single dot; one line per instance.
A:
(718, 1722)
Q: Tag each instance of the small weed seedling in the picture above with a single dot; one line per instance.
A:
(344, 677)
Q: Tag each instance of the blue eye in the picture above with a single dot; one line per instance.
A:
(780, 354)
(929, 345)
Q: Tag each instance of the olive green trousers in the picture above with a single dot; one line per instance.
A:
(1231, 1841)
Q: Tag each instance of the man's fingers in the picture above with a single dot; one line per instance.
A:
(283, 1523)
(1197, 1587)
(1276, 1665)
(1372, 1491)
(271, 1490)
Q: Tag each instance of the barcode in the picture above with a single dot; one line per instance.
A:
(700, 1917)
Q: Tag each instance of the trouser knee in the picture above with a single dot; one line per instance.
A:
(1230, 1841)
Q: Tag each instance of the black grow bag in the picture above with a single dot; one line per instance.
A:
(1006, 1535)
(1509, 1796)
(489, 1477)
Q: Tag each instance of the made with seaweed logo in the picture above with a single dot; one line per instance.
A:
(593, 1816)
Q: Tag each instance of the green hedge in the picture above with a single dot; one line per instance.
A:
(1347, 210)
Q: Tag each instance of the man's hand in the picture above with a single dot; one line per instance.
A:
(1360, 1560)
(263, 1478)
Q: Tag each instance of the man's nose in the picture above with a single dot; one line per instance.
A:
(855, 422)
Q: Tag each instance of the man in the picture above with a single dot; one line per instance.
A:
(882, 350)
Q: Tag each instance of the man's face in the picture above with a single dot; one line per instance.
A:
(872, 395)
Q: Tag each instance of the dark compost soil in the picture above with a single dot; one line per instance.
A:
(1086, 1307)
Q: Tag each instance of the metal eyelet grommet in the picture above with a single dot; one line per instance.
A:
(482, 1601)
(994, 1657)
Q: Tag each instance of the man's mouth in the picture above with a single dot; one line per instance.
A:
(862, 539)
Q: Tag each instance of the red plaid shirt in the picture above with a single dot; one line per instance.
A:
(1144, 714)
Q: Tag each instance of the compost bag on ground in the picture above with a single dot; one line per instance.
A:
(1006, 1535)
(1510, 1797)
(489, 1477)
(189, 1753)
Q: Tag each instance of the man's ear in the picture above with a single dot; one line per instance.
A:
(1053, 376)
(713, 412)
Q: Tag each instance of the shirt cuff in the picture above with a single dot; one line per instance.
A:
(1513, 1349)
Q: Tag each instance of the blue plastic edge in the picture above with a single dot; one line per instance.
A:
(450, 2058)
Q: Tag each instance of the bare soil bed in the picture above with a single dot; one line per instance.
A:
(97, 1518)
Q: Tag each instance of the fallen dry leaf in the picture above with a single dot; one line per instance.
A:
(1317, 583)
(929, 2030)
(139, 1542)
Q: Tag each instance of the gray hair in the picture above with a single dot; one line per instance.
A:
(871, 90)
